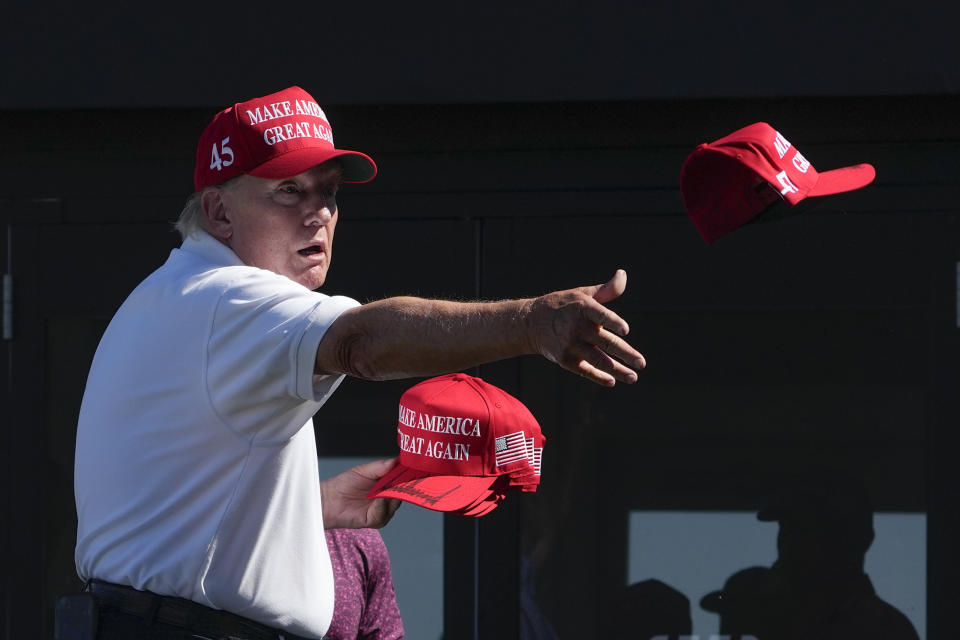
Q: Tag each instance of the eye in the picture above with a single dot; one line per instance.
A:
(288, 193)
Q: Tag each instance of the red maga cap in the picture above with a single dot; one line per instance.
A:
(277, 136)
(727, 183)
(464, 443)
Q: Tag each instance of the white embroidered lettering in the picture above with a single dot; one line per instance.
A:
(223, 157)
(781, 144)
(788, 186)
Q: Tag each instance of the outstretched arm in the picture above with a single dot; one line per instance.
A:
(407, 337)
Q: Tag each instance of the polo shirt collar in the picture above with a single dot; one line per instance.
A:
(203, 244)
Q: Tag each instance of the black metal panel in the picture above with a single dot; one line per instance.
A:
(81, 55)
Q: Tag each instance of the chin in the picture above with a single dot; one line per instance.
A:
(312, 282)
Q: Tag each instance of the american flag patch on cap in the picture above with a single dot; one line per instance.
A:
(510, 448)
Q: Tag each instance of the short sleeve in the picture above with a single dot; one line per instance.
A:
(261, 353)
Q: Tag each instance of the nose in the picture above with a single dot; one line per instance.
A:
(320, 214)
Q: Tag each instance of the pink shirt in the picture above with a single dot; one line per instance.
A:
(365, 605)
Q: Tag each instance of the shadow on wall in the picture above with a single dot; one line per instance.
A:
(816, 587)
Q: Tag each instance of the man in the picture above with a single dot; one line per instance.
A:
(199, 511)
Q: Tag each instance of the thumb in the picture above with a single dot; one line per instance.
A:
(612, 288)
(375, 468)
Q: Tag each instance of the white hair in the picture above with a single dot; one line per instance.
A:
(189, 222)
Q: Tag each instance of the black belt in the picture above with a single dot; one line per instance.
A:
(179, 612)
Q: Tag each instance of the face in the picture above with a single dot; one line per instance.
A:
(285, 226)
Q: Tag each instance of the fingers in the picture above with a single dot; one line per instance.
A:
(610, 290)
(374, 469)
(597, 366)
(607, 319)
(381, 511)
(613, 288)
(392, 505)
(582, 335)
(618, 348)
(603, 357)
(593, 374)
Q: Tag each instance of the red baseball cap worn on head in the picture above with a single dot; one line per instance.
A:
(728, 182)
(463, 444)
(277, 136)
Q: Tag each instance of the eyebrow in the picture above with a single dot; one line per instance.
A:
(333, 178)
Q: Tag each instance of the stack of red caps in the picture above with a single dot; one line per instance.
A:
(464, 445)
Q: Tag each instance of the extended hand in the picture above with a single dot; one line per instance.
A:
(344, 496)
(575, 330)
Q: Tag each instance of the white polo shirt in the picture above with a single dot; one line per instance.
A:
(196, 466)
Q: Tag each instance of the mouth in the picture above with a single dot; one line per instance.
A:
(314, 250)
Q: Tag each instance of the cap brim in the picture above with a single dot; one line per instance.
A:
(713, 601)
(500, 484)
(487, 495)
(357, 167)
(769, 514)
(484, 507)
(440, 493)
(843, 179)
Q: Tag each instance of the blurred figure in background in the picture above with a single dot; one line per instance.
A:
(364, 603)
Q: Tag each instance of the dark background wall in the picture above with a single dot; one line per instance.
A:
(63, 54)
(522, 148)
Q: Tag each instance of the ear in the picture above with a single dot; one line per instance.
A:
(216, 220)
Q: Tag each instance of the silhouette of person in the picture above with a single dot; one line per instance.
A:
(750, 605)
(650, 610)
(825, 529)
